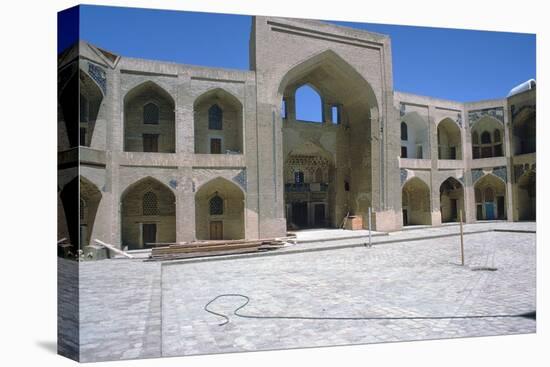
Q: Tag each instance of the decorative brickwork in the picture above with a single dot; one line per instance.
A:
(403, 174)
(476, 174)
(500, 172)
(309, 165)
(240, 178)
(476, 115)
(99, 75)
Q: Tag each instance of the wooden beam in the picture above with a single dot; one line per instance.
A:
(114, 249)
(222, 242)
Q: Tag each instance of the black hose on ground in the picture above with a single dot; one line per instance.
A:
(530, 315)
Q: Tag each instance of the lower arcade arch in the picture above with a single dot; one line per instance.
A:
(148, 214)
(451, 199)
(90, 196)
(527, 196)
(490, 198)
(219, 211)
(415, 198)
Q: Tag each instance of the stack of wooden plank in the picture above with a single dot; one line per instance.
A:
(186, 250)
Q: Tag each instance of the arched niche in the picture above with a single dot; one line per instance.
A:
(487, 138)
(490, 198)
(148, 214)
(525, 132)
(219, 211)
(90, 197)
(415, 141)
(218, 123)
(527, 196)
(141, 134)
(449, 140)
(451, 197)
(415, 198)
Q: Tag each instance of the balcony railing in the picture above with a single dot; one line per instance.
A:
(447, 152)
(306, 187)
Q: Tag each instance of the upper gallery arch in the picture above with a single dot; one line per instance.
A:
(218, 123)
(336, 81)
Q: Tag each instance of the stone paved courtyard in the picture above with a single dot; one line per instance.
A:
(124, 314)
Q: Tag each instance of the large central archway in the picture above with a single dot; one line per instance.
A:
(342, 137)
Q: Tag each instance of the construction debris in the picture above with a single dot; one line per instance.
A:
(186, 250)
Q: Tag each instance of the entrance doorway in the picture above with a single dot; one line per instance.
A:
(454, 209)
(299, 214)
(451, 200)
(319, 215)
(149, 234)
(489, 211)
(489, 193)
(479, 211)
(500, 207)
(216, 230)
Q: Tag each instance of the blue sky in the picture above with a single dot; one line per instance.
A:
(460, 65)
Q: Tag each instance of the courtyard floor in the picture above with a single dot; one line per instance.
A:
(131, 308)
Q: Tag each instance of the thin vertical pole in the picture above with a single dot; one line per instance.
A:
(370, 239)
(461, 240)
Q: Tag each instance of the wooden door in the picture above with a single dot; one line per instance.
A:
(319, 215)
(500, 207)
(419, 154)
(299, 214)
(452, 152)
(454, 209)
(149, 234)
(216, 230)
(215, 146)
(150, 142)
(489, 211)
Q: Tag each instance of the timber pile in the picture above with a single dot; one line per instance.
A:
(186, 250)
